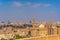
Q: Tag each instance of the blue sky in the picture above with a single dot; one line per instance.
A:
(24, 10)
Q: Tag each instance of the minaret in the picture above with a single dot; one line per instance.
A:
(49, 26)
(33, 22)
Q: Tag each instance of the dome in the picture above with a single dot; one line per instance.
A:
(41, 26)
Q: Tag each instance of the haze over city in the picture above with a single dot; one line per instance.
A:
(29, 19)
(24, 10)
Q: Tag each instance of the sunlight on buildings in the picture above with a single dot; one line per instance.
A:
(41, 26)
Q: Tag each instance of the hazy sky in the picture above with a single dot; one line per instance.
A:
(24, 10)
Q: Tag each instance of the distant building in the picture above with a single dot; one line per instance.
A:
(32, 29)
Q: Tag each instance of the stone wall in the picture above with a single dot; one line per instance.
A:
(44, 38)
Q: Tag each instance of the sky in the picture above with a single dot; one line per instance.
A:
(25, 10)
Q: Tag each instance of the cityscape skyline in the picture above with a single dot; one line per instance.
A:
(24, 10)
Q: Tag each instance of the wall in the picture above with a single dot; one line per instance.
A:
(44, 38)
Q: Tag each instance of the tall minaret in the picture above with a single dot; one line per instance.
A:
(49, 26)
(33, 22)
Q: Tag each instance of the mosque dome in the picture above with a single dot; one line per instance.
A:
(41, 26)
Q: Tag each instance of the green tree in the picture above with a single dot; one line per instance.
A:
(29, 32)
(18, 37)
(3, 39)
(11, 39)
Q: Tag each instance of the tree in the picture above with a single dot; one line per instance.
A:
(3, 39)
(29, 34)
(11, 39)
(18, 37)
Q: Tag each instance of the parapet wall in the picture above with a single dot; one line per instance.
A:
(44, 38)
